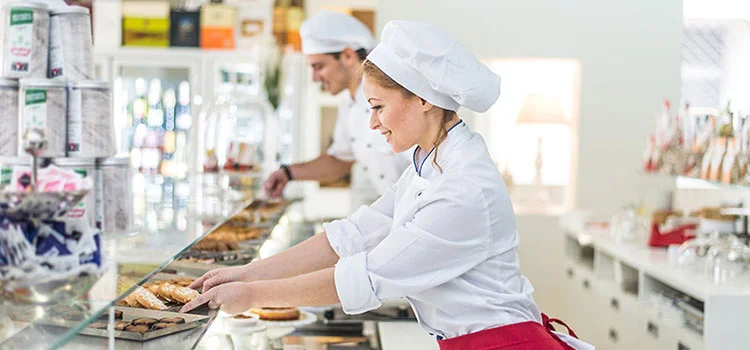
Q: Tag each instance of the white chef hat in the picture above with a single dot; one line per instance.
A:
(330, 31)
(434, 66)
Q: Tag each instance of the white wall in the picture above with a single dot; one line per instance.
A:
(630, 57)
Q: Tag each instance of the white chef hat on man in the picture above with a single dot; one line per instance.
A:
(433, 65)
(330, 31)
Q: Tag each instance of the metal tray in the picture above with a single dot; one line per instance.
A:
(129, 313)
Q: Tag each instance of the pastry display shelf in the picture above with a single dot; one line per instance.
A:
(687, 182)
(130, 261)
(619, 284)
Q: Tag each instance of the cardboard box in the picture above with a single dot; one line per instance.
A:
(218, 24)
(145, 23)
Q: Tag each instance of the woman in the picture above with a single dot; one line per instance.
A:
(443, 236)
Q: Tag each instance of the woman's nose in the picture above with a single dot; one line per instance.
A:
(374, 122)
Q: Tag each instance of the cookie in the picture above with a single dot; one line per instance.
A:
(98, 325)
(144, 321)
(138, 329)
(120, 325)
(175, 320)
(158, 326)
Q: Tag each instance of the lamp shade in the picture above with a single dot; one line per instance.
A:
(541, 109)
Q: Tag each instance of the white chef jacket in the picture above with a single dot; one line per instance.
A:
(445, 241)
(377, 167)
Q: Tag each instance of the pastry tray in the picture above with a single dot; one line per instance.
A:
(129, 313)
(244, 255)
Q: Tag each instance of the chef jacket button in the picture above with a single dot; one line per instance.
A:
(364, 168)
(351, 139)
(382, 176)
(369, 145)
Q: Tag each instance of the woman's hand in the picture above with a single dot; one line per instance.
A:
(232, 298)
(221, 276)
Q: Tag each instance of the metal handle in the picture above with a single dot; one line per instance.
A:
(613, 335)
(653, 329)
(586, 284)
(615, 304)
(681, 346)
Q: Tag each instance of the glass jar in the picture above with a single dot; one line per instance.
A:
(237, 126)
(629, 227)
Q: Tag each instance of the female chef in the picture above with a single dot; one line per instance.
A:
(443, 236)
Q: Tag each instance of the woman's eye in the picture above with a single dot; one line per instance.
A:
(376, 108)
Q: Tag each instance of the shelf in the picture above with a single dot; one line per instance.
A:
(686, 182)
(181, 53)
(655, 263)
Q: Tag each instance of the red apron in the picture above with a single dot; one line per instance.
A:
(520, 336)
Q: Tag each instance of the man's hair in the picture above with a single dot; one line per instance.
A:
(361, 54)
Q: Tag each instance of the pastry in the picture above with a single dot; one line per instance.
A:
(159, 326)
(148, 299)
(144, 321)
(166, 290)
(152, 287)
(138, 329)
(182, 281)
(98, 325)
(184, 294)
(118, 314)
(277, 313)
(176, 320)
(213, 245)
(131, 301)
(120, 325)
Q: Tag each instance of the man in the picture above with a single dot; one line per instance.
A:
(335, 45)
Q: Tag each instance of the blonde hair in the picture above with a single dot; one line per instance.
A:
(377, 76)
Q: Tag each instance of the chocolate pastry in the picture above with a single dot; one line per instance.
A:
(120, 325)
(98, 325)
(138, 329)
(159, 326)
(144, 321)
(175, 320)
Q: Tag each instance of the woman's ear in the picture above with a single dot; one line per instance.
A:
(425, 105)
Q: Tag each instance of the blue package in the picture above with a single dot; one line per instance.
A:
(94, 257)
(49, 245)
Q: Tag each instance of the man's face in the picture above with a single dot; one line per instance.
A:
(330, 72)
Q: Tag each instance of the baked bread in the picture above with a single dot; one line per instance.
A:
(277, 313)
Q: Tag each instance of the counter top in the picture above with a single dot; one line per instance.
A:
(171, 217)
(656, 263)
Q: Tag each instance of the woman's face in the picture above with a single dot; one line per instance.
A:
(401, 120)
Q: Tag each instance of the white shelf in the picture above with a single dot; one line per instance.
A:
(655, 263)
(724, 306)
(180, 53)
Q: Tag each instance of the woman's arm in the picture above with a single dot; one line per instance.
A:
(313, 289)
(311, 255)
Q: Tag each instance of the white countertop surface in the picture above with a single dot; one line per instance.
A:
(405, 335)
(656, 263)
